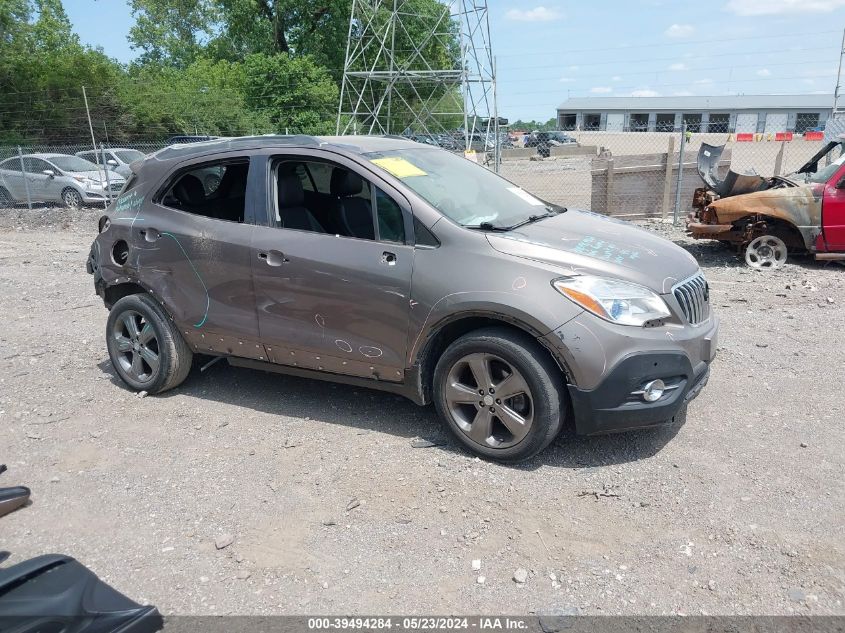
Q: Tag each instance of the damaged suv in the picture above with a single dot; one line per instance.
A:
(766, 218)
(380, 262)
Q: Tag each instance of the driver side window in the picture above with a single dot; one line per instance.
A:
(323, 197)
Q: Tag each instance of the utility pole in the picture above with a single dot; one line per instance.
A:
(839, 75)
(90, 126)
(680, 181)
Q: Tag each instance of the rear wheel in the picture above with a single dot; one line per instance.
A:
(71, 198)
(766, 252)
(500, 394)
(144, 345)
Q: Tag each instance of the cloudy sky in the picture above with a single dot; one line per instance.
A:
(551, 49)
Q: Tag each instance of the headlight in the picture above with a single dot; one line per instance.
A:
(613, 300)
(85, 182)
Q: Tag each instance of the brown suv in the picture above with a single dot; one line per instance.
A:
(385, 263)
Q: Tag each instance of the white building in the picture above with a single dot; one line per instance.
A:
(739, 113)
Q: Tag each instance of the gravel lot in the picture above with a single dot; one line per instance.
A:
(739, 511)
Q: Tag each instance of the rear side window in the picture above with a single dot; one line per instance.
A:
(212, 190)
(13, 164)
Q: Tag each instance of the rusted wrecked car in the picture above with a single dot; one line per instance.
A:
(767, 218)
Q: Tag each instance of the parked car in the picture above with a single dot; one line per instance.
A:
(117, 159)
(543, 141)
(383, 263)
(70, 180)
(767, 218)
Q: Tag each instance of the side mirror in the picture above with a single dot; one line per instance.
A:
(49, 172)
(112, 162)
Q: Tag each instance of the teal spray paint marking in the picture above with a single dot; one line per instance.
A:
(207, 297)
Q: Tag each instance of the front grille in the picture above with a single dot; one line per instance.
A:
(693, 296)
(116, 186)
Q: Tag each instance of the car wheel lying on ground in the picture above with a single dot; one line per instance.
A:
(399, 266)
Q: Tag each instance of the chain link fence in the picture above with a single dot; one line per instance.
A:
(635, 175)
(631, 175)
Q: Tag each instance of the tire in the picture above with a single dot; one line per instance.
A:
(500, 349)
(6, 199)
(132, 351)
(766, 252)
(71, 198)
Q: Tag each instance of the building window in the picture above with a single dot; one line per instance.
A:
(592, 122)
(566, 121)
(665, 122)
(806, 121)
(638, 122)
(719, 122)
(693, 122)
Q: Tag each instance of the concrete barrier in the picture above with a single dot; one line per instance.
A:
(518, 153)
(573, 150)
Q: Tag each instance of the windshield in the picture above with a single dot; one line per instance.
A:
(129, 155)
(72, 163)
(826, 173)
(463, 191)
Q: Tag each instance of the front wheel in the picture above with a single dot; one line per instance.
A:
(144, 345)
(72, 198)
(500, 394)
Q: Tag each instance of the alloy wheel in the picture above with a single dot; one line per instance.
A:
(489, 400)
(136, 346)
(766, 252)
(72, 199)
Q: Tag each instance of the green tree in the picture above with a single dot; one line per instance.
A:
(178, 31)
(293, 93)
(206, 97)
(42, 70)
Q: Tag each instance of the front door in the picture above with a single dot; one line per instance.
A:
(332, 270)
(42, 186)
(833, 212)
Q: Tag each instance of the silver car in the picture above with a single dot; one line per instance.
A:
(70, 180)
(117, 159)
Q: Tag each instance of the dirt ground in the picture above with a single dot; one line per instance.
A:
(331, 508)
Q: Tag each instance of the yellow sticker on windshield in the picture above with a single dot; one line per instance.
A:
(399, 167)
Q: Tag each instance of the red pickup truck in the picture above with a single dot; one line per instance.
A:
(768, 218)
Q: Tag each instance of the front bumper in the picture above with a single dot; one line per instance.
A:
(608, 366)
(611, 407)
(98, 195)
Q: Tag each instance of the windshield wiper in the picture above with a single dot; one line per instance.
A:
(487, 226)
(534, 218)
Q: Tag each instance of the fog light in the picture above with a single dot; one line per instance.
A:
(653, 391)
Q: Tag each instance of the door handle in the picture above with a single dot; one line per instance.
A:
(273, 258)
(388, 258)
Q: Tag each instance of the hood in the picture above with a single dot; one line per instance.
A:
(588, 243)
(733, 184)
(801, 206)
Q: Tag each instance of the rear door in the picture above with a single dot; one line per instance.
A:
(12, 179)
(194, 248)
(328, 300)
(833, 212)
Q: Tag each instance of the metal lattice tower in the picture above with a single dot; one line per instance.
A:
(425, 67)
